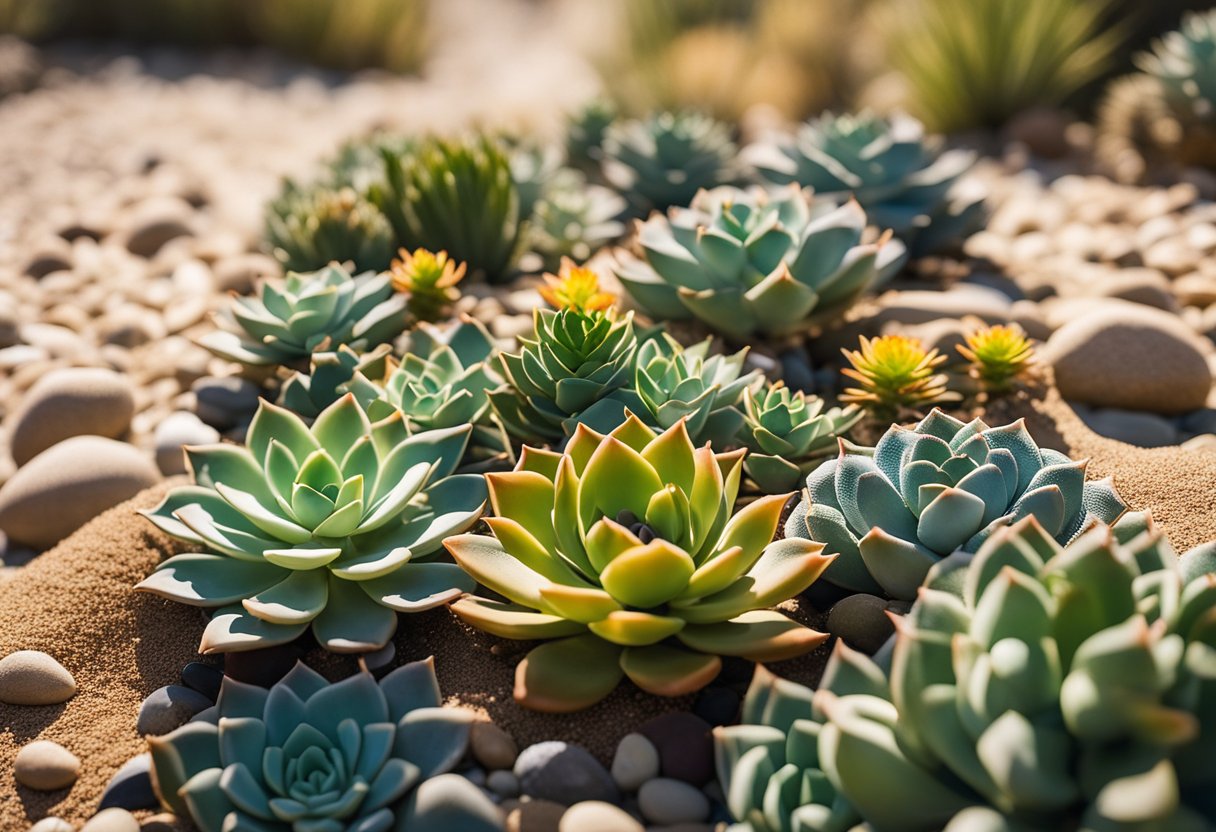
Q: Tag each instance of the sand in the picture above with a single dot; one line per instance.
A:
(75, 603)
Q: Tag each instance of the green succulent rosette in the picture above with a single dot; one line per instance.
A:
(1184, 64)
(308, 227)
(623, 556)
(573, 360)
(893, 511)
(585, 132)
(290, 319)
(331, 527)
(311, 756)
(665, 159)
(1033, 688)
(788, 434)
(574, 219)
(329, 376)
(751, 263)
(903, 181)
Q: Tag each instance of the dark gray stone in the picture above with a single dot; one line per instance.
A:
(169, 707)
(563, 773)
(131, 786)
(861, 620)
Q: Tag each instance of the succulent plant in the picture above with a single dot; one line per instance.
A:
(892, 511)
(308, 227)
(662, 161)
(998, 355)
(1184, 62)
(533, 166)
(623, 555)
(429, 281)
(329, 376)
(574, 359)
(585, 132)
(457, 195)
(576, 288)
(328, 527)
(443, 381)
(751, 262)
(787, 434)
(1032, 687)
(574, 219)
(903, 181)
(351, 756)
(894, 372)
(306, 313)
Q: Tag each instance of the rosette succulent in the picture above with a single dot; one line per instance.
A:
(457, 195)
(893, 511)
(903, 181)
(787, 434)
(585, 134)
(574, 219)
(755, 263)
(662, 161)
(329, 376)
(622, 554)
(998, 356)
(1184, 63)
(1033, 688)
(311, 756)
(308, 227)
(306, 313)
(894, 372)
(573, 360)
(330, 527)
(429, 281)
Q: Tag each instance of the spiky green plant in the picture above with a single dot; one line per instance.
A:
(585, 131)
(351, 756)
(624, 549)
(976, 63)
(998, 356)
(662, 161)
(1184, 62)
(1032, 687)
(455, 195)
(753, 263)
(573, 219)
(330, 527)
(787, 434)
(904, 181)
(894, 510)
(308, 227)
(894, 372)
(292, 318)
(329, 376)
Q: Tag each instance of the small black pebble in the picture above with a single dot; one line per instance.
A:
(717, 705)
(204, 678)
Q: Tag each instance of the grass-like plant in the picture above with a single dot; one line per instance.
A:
(351, 34)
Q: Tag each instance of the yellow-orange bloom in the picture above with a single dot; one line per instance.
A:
(577, 288)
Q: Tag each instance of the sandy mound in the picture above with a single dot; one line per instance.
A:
(75, 603)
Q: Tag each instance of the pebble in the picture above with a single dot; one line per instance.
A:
(241, 272)
(31, 677)
(164, 822)
(918, 307)
(534, 816)
(43, 262)
(169, 707)
(112, 820)
(67, 485)
(503, 783)
(154, 222)
(667, 801)
(176, 430)
(493, 747)
(52, 825)
(564, 773)
(72, 401)
(1131, 358)
(597, 816)
(223, 402)
(262, 667)
(717, 705)
(1144, 430)
(861, 621)
(685, 746)
(636, 760)
(45, 766)
(131, 786)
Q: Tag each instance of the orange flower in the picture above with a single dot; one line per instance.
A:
(577, 288)
(430, 280)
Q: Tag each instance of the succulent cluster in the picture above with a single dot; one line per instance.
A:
(304, 313)
(753, 262)
(624, 555)
(331, 527)
(903, 181)
(894, 372)
(308, 227)
(329, 377)
(574, 219)
(891, 512)
(1034, 686)
(664, 160)
(354, 755)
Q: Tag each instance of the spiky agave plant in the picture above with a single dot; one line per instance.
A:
(330, 527)
(904, 181)
(894, 510)
(894, 372)
(1034, 686)
(621, 553)
(754, 263)
(304, 313)
(355, 755)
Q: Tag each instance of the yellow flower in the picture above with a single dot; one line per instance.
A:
(894, 371)
(577, 288)
(998, 355)
(430, 279)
